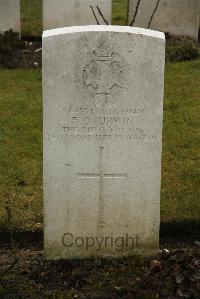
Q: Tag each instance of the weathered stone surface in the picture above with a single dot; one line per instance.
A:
(10, 15)
(63, 13)
(178, 17)
(103, 105)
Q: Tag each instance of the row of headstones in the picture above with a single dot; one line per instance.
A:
(178, 17)
(103, 105)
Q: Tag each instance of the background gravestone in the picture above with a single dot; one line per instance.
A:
(10, 15)
(63, 13)
(178, 17)
(103, 106)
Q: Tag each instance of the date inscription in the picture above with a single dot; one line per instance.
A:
(102, 124)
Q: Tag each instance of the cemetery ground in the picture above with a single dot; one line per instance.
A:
(25, 273)
(21, 146)
(172, 273)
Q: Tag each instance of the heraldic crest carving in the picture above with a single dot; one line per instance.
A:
(103, 75)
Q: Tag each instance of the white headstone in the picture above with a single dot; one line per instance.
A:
(177, 17)
(10, 15)
(61, 13)
(103, 106)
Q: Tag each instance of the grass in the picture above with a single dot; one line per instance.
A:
(181, 138)
(31, 16)
(21, 136)
(21, 146)
(119, 11)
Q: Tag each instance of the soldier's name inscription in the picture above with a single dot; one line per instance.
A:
(103, 124)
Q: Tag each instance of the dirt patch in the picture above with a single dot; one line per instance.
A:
(172, 273)
(16, 53)
(180, 48)
(31, 55)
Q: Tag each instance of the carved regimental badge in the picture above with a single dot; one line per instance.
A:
(103, 75)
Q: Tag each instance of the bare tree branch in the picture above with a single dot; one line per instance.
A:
(158, 1)
(92, 9)
(105, 21)
(135, 14)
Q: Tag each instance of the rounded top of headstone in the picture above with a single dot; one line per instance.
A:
(103, 28)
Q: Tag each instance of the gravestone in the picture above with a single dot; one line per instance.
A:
(103, 106)
(63, 13)
(177, 17)
(10, 15)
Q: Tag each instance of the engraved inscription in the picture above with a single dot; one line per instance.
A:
(103, 75)
(103, 124)
(102, 176)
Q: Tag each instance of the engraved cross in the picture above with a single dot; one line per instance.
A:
(102, 176)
